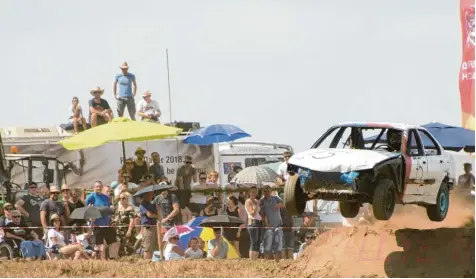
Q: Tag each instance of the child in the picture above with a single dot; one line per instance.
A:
(194, 251)
(308, 240)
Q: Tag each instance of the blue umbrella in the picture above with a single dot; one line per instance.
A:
(450, 137)
(215, 134)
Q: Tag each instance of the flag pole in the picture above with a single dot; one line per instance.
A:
(168, 82)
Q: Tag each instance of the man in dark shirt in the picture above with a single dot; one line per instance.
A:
(29, 206)
(186, 175)
(99, 109)
(148, 219)
(140, 166)
(167, 205)
(156, 169)
(52, 206)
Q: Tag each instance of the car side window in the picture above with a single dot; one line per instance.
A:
(413, 149)
(430, 146)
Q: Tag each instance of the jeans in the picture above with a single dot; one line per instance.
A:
(254, 230)
(273, 240)
(122, 102)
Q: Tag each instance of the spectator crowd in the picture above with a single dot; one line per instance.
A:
(39, 224)
(124, 92)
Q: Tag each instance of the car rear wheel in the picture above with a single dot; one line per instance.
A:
(383, 203)
(349, 209)
(437, 212)
(294, 197)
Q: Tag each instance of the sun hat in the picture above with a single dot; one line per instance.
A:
(54, 217)
(15, 213)
(54, 189)
(147, 93)
(97, 89)
(124, 65)
(5, 205)
(139, 149)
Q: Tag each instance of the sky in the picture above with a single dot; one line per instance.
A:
(284, 71)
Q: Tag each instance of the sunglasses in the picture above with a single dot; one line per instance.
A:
(54, 193)
(15, 217)
(308, 237)
(57, 220)
(32, 187)
(129, 163)
(188, 162)
(8, 208)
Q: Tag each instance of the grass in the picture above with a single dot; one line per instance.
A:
(137, 268)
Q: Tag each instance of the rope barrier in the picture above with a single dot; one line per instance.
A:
(140, 226)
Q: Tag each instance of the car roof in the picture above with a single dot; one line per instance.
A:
(397, 126)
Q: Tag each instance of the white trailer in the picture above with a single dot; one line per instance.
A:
(83, 167)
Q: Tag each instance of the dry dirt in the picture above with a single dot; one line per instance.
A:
(409, 245)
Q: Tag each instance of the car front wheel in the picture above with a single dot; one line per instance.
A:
(294, 197)
(437, 212)
(383, 203)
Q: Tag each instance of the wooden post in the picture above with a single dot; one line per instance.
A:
(159, 233)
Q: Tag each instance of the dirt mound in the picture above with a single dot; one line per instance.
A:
(365, 252)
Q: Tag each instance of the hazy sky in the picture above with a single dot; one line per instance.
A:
(284, 71)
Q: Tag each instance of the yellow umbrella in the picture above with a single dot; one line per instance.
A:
(120, 129)
(208, 234)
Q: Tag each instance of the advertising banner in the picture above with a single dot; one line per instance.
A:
(102, 163)
(466, 75)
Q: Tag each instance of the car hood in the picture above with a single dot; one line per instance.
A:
(340, 160)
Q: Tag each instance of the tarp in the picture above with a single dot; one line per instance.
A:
(466, 75)
(450, 137)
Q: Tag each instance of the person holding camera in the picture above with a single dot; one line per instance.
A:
(211, 208)
(148, 109)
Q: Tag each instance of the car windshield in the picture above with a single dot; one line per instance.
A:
(346, 137)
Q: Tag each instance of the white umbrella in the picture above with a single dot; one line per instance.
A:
(255, 176)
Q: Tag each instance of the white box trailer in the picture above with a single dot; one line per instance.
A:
(83, 167)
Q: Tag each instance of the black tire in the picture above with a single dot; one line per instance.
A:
(6, 252)
(437, 212)
(349, 209)
(383, 203)
(294, 197)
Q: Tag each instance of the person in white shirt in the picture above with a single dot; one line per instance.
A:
(194, 251)
(76, 115)
(172, 251)
(283, 168)
(148, 109)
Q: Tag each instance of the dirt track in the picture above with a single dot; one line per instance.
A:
(409, 245)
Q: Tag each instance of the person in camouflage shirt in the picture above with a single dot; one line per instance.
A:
(124, 218)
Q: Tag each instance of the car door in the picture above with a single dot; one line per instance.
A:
(435, 159)
(419, 165)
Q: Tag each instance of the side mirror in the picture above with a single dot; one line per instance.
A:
(49, 176)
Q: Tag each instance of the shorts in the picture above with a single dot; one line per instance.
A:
(273, 240)
(288, 239)
(149, 239)
(105, 234)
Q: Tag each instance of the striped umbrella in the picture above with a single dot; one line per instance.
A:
(255, 176)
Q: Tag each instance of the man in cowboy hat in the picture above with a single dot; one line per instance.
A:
(51, 206)
(100, 111)
(148, 109)
(127, 91)
(140, 166)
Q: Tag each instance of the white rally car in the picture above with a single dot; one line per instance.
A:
(378, 163)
